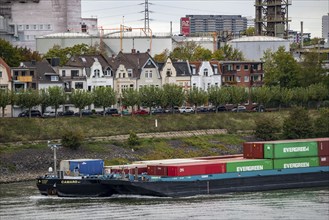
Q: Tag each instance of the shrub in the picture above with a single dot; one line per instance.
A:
(72, 139)
(267, 128)
(133, 139)
(298, 124)
(321, 124)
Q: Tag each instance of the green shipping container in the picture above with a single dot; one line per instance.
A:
(249, 165)
(296, 162)
(290, 149)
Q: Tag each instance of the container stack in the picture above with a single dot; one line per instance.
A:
(287, 154)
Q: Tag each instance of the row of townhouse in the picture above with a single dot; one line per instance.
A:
(132, 70)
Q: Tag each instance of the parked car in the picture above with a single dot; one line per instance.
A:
(240, 108)
(258, 108)
(125, 112)
(84, 112)
(34, 113)
(141, 112)
(66, 113)
(202, 109)
(49, 114)
(111, 111)
(221, 108)
(186, 110)
(158, 111)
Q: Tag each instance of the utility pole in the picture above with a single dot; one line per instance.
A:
(54, 147)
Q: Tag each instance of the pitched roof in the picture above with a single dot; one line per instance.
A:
(182, 68)
(2, 62)
(87, 61)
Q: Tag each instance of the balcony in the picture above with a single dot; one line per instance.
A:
(24, 78)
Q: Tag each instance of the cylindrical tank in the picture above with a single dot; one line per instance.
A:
(253, 48)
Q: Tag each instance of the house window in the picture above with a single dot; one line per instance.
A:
(150, 74)
(20, 27)
(130, 72)
(41, 27)
(79, 85)
(96, 73)
(131, 85)
(238, 79)
(146, 74)
(246, 67)
(31, 73)
(74, 72)
(216, 84)
(0, 73)
(205, 72)
(34, 27)
(53, 78)
(27, 27)
(48, 27)
(124, 75)
(246, 78)
(229, 67)
(15, 73)
(168, 73)
(193, 70)
(23, 73)
(63, 73)
(238, 67)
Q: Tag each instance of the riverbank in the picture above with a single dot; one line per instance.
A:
(27, 164)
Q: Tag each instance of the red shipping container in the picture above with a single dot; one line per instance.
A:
(157, 170)
(324, 161)
(253, 150)
(323, 146)
(195, 169)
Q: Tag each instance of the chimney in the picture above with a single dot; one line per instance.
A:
(133, 50)
(301, 35)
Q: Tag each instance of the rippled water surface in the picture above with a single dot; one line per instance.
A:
(22, 201)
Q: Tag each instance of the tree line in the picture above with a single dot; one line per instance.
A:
(169, 96)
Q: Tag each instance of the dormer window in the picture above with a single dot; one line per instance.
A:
(54, 78)
(96, 73)
(130, 72)
(205, 72)
(168, 73)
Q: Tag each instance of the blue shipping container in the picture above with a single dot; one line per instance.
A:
(87, 166)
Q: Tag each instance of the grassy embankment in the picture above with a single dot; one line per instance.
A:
(26, 131)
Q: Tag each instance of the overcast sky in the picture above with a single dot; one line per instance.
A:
(112, 13)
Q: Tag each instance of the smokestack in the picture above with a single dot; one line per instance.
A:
(170, 28)
(302, 35)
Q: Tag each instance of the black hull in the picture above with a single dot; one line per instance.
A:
(84, 188)
(219, 186)
(47, 186)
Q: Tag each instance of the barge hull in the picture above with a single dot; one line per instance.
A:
(219, 186)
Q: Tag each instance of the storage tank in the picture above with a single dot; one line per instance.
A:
(253, 48)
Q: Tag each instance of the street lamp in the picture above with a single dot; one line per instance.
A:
(54, 147)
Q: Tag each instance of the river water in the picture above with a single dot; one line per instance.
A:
(22, 201)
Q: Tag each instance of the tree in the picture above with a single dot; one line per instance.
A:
(321, 128)
(197, 97)
(237, 95)
(80, 99)
(218, 55)
(298, 125)
(28, 99)
(104, 97)
(44, 99)
(218, 96)
(9, 53)
(5, 99)
(261, 95)
(149, 96)
(250, 31)
(318, 92)
(201, 54)
(300, 95)
(184, 51)
(173, 95)
(162, 57)
(267, 128)
(312, 69)
(64, 54)
(130, 97)
(281, 69)
(57, 97)
(231, 53)
(28, 55)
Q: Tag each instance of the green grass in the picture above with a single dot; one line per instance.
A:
(24, 129)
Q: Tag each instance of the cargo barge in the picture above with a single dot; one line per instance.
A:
(263, 166)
